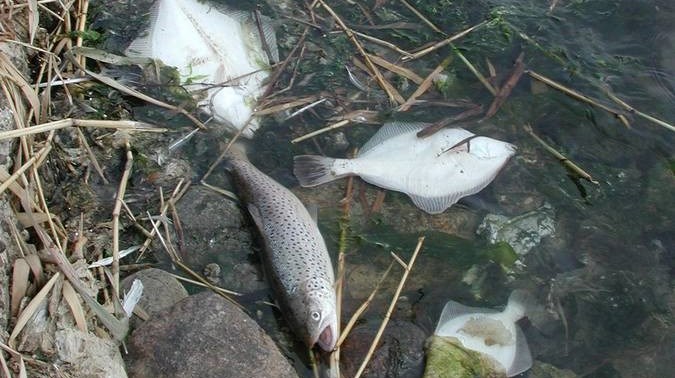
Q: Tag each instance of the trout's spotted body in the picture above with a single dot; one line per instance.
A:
(295, 257)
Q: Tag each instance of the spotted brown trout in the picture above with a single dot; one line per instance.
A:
(296, 261)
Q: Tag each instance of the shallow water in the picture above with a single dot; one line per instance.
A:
(604, 276)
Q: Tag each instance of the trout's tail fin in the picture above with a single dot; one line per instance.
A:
(313, 170)
(237, 151)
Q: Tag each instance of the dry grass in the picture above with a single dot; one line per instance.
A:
(39, 124)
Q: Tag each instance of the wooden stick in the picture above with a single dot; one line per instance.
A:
(339, 285)
(631, 109)
(568, 164)
(71, 122)
(363, 307)
(505, 90)
(572, 93)
(442, 43)
(116, 220)
(422, 88)
(334, 126)
(44, 151)
(435, 127)
(392, 305)
(383, 43)
(402, 71)
(421, 17)
(394, 96)
(475, 71)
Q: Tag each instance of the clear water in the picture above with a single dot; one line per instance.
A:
(604, 277)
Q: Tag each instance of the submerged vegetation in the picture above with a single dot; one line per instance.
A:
(105, 147)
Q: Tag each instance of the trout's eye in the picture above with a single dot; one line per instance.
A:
(315, 316)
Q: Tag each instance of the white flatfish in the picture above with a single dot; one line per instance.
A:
(435, 172)
(210, 46)
(492, 333)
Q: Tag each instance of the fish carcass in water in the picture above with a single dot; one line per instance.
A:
(493, 334)
(435, 172)
(212, 45)
(295, 257)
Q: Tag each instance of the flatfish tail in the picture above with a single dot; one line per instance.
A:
(313, 170)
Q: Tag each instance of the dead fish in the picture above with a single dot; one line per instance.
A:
(295, 257)
(493, 334)
(435, 172)
(215, 49)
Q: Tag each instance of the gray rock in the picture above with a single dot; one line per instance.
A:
(204, 336)
(215, 231)
(400, 353)
(160, 291)
(522, 232)
(85, 355)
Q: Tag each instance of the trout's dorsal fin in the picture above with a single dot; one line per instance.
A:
(390, 130)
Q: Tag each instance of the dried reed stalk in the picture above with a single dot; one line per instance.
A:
(392, 305)
(567, 163)
(442, 43)
(394, 96)
(116, 219)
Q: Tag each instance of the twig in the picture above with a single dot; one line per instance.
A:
(392, 305)
(391, 92)
(572, 93)
(408, 74)
(71, 122)
(363, 307)
(422, 88)
(505, 90)
(342, 249)
(435, 127)
(568, 164)
(92, 157)
(198, 283)
(178, 192)
(43, 152)
(116, 220)
(421, 17)
(631, 109)
(382, 43)
(132, 92)
(475, 71)
(334, 126)
(442, 43)
(81, 23)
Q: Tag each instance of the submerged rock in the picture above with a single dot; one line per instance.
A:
(522, 232)
(160, 290)
(204, 336)
(446, 358)
(400, 352)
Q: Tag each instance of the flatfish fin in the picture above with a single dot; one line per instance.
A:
(454, 310)
(523, 358)
(390, 130)
(435, 205)
(142, 46)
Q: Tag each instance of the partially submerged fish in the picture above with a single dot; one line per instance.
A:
(212, 46)
(295, 257)
(435, 172)
(495, 335)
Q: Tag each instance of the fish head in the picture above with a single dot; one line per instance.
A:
(318, 316)
(487, 148)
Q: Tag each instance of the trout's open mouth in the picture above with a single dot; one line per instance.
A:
(327, 339)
